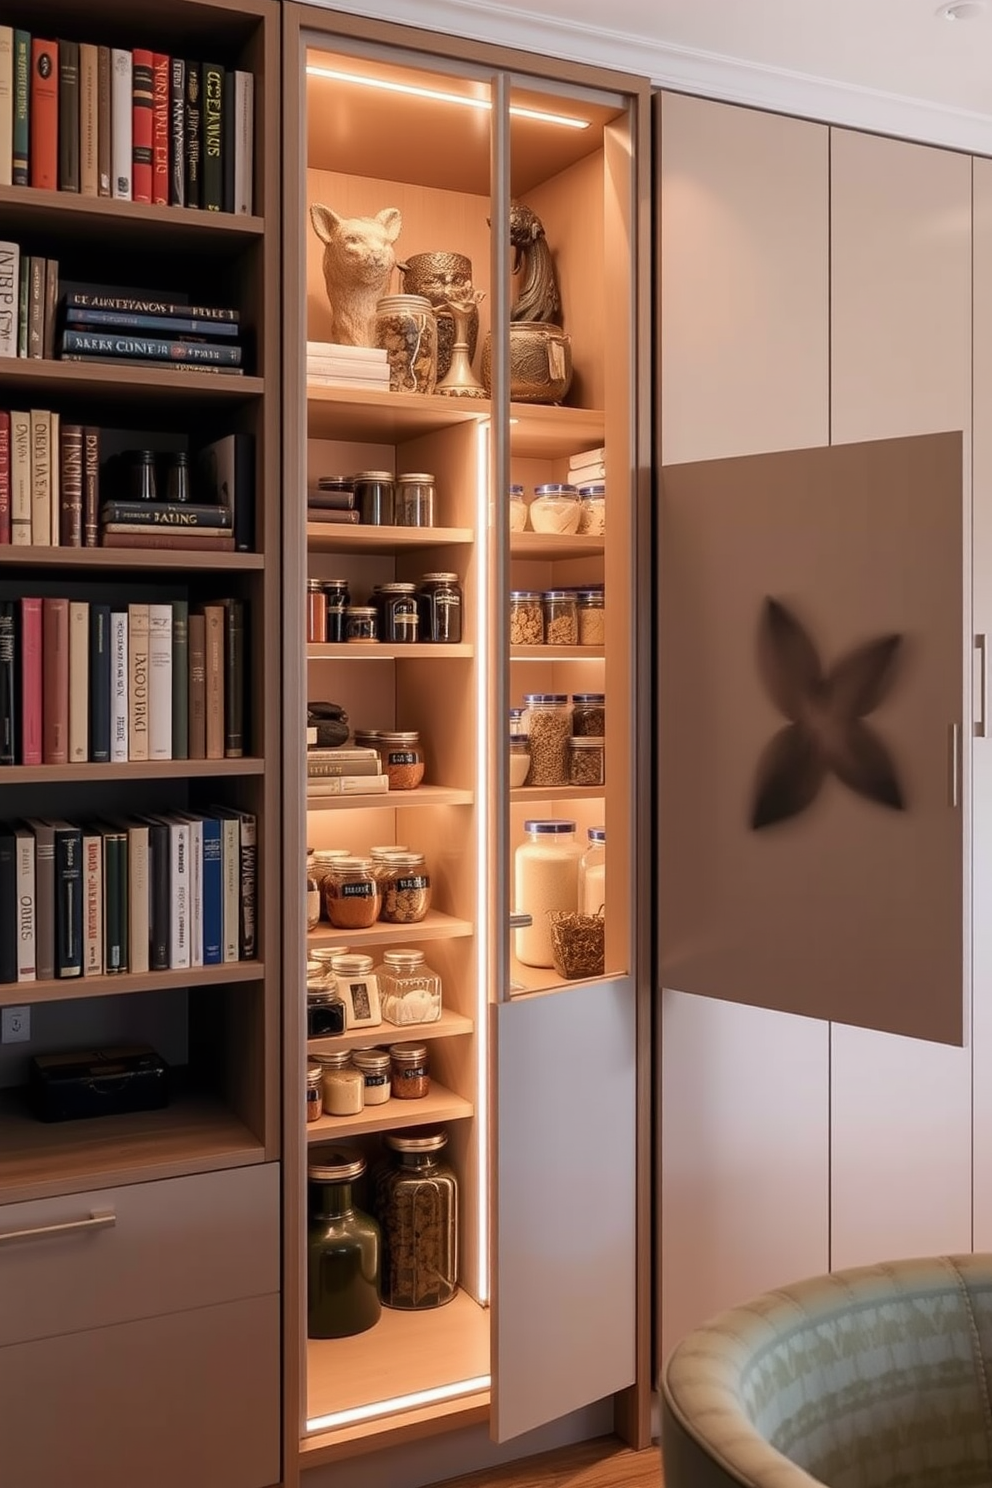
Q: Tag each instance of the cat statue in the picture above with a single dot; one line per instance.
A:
(358, 260)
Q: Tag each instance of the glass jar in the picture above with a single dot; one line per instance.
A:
(517, 725)
(592, 873)
(140, 482)
(379, 855)
(338, 598)
(517, 506)
(589, 714)
(561, 618)
(399, 616)
(315, 1094)
(549, 723)
(344, 1248)
(409, 989)
(406, 329)
(586, 760)
(351, 894)
(374, 497)
(526, 618)
(416, 1202)
(343, 1086)
(357, 988)
(323, 861)
(592, 617)
(411, 1078)
(519, 760)
(545, 878)
(440, 599)
(406, 889)
(361, 623)
(592, 510)
(555, 508)
(312, 893)
(402, 758)
(375, 1066)
(316, 612)
(414, 501)
(326, 1016)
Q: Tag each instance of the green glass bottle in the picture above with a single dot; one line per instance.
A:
(343, 1248)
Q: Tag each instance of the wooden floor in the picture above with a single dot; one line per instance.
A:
(605, 1463)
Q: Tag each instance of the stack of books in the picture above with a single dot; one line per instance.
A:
(102, 324)
(150, 893)
(332, 365)
(588, 468)
(136, 125)
(29, 293)
(330, 501)
(346, 771)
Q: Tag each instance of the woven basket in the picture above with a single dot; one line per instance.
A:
(577, 944)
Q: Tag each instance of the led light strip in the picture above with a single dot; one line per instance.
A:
(417, 1398)
(483, 725)
(414, 91)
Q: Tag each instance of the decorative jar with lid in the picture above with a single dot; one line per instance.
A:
(409, 990)
(341, 1084)
(343, 1248)
(415, 1197)
(351, 894)
(406, 329)
(405, 885)
(555, 508)
(548, 721)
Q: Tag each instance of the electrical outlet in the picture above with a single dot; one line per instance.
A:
(15, 1025)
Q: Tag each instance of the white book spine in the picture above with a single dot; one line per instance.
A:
(79, 681)
(121, 104)
(139, 888)
(10, 275)
(244, 138)
(26, 910)
(179, 932)
(137, 682)
(41, 477)
(54, 479)
(20, 479)
(159, 681)
(119, 665)
(230, 837)
(196, 892)
(93, 928)
(248, 941)
(7, 108)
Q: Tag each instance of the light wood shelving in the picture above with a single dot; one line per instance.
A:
(557, 653)
(125, 385)
(92, 218)
(114, 559)
(449, 1025)
(62, 989)
(437, 1105)
(380, 651)
(424, 795)
(531, 794)
(131, 770)
(434, 926)
(549, 546)
(338, 537)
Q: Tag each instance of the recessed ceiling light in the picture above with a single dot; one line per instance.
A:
(962, 10)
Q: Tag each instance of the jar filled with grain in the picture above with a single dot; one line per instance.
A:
(411, 1078)
(402, 758)
(343, 1086)
(555, 508)
(548, 721)
(561, 617)
(592, 510)
(415, 1199)
(592, 873)
(519, 760)
(357, 988)
(526, 618)
(375, 1066)
(351, 894)
(586, 760)
(592, 617)
(545, 878)
(409, 989)
(517, 507)
(414, 505)
(406, 889)
(589, 714)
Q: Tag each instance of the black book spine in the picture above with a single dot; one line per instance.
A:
(99, 683)
(68, 116)
(194, 136)
(113, 959)
(234, 678)
(212, 95)
(8, 908)
(227, 142)
(9, 730)
(160, 896)
(68, 902)
(177, 132)
(244, 493)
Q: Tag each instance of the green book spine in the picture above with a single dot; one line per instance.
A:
(180, 679)
(22, 85)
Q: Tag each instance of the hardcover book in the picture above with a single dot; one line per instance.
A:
(180, 679)
(24, 882)
(100, 683)
(160, 681)
(31, 666)
(8, 906)
(68, 115)
(159, 894)
(89, 120)
(6, 105)
(234, 678)
(226, 475)
(55, 680)
(91, 487)
(138, 896)
(214, 680)
(120, 672)
(10, 703)
(71, 486)
(41, 477)
(142, 124)
(68, 900)
(20, 478)
(138, 681)
(79, 681)
(177, 132)
(5, 527)
(115, 898)
(104, 121)
(160, 129)
(99, 297)
(244, 136)
(44, 114)
(212, 97)
(193, 134)
(213, 892)
(44, 891)
(21, 164)
(197, 540)
(197, 687)
(36, 307)
(165, 514)
(92, 901)
(10, 280)
(152, 348)
(122, 121)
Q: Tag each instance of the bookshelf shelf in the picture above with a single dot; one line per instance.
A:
(424, 795)
(438, 1105)
(434, 926)
(92, 560)
(133, 770)
(332, 537)
(28, 209)
(126, 384)
(61, 989)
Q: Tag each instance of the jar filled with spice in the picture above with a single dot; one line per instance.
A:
(357, 988)
(586, 760)
(517, 507)
(411, 1078)
(351, 894)
(320, 865)
(406, 889)
(415, 1197)
(375, 1067)
(548, 721)
(344, 1248)
(592, 617)
(316, 612)
(315, 1094)
(374, 497)
(589, 714)
(526, 618)
(592, 873)
(409, 989)
(439, 597)
(361, 623)
(399, 615)
(592, 509)
(545, 879)
(402, 758)
(561, 617)
(406, 329)
(414, 506)
(338, 597)
(343, 1086)
(555, 508)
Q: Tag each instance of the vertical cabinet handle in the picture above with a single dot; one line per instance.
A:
(955, 770)
(981, 721)
(103, 1221)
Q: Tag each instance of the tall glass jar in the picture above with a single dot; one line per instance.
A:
(312, 893)
(545, 878)
(406, 329)
(555, 508)
(338, 598)
(589, 714)
(561, 618)
(402, 757)
(517, 506)
(323, 861)
(440, 600)
(411, 1071)
(415, 500)
(375, 498)
(316, 612)
(548, 721)
(351, 894)
(592, 873)
(344, 1248)
(375, 1066)
(415, 1198)
(409, 990)
(586, 760)
(519, 760)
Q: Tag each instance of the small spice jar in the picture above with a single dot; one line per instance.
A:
(592, 509)
(526, 618)
(589, 714)
(592, 617)
(406, 889)
(555, 508)
(316, 612)
(375, 1066)
(351, 894)
(439, 597)
(517, 507)
(315, 1094)
(338, 598)
(361, 623)
(357, 988)
(561, 618)
(402, 758)
(517, 725)
(586, 761)
(409, 989)
(344, 1248)
(519, 760)
(399, 616)
(374, 497)
(406, 329)
(343, 1085)
(549, 724)
(326, 1016)
(410, 1071)
(414, 506)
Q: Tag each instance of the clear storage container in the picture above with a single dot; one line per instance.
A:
(519, 760)
(592, 873)
(342, 1084)
(592, 509)
(545, 879)
(555, 508)
(406, 329)
(351, 894)
(561, 617)
(409, 989)
(517, 507)
(405, 886)
(526, 618)
(414, 504)
(548, 721)
(586, 761)
(375, 1066)
(415, 1198)
(592, 617)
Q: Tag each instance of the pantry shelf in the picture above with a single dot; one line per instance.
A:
(557, 653)
(534, 793)
(438, 1105)
(449, 1025)
(552, 545)
(434, 926)
(331, 537)
(378, 651)
(424, 795)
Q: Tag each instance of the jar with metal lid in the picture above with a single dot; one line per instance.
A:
(526, 618)
(379, 854)
(344, 1248)
(592, 617)
(586, 760)
(402, 758)
(411, 1078)
(545, 879)
(375, 1066)
(548, 721)
(415, 1197)
(315, 1093)
(406, 329)
(357, 988)
(555, 508)
(338, 597)
(316, 612)
(351, 894)
(319, 864)
(361, 623)
(517, 507)
(592, 873)
(409, 989)
(312, 893)
(406, 889)
(326, 1014)
(517, 725)
(400, 617)
(343, 1085)
(589, 714)
(414, 505)
(592, 509)
(374, 497)
(440, 599)
(561, 617)
(519, 760)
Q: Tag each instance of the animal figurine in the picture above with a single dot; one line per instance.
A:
(539, 298)
(358, 260)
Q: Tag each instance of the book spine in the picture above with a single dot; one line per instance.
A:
(331, 769)
(142, 124)
(32, 659)
(8, 908)
(197, 687)
(177, 132)
(89, 119)
(44, 889)
(159, 896)
(122, 121)
(159, 681)
(68, 115)
(137, 633)
(180, 679)
(113, 902)
(22, 105)
(151, 347)
(20, 478)
(91, 487)
(10, 283)
(213, 892)
(54, 478)
(68, 902)
(36, 307)
(9, 700)
(92, 903)
(234, 679)
(180, 871)
(120, 671)
(79, 681)
(5, 519)
(138, 910)
(249, 875)
(44, 114)
(51, 307)
(214, 680)
(71, 486)
(227, 142)
(6, 105)
(194, 138)
(244, 142)
(212, 94)
(167, 325)
(99, 662)
(41, 477)
(231, 858)
(55, 681)
(195, 825)
(23, 304)
(160, 129)
(104, 124)
(197, 541)
(165, 514)
(25, 892)
(97, 299)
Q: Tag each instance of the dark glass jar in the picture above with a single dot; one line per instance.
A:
(440, 601)
(140, 467)
(177, 477)
(415, 1199)
(337, 598)
(374, 496)
(400, 623)
(343, 1248)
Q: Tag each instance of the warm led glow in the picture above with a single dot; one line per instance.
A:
(483, 728)
(415, 91)
(399, 1403)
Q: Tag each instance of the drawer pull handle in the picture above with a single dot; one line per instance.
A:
(102, 1221)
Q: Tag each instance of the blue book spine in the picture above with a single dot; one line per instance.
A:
(100, 683)
(213, 893)
(124, 344)
(166, 325)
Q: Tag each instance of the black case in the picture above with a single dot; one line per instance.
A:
(97, 1082)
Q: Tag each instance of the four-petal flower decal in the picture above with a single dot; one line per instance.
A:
(826, 733)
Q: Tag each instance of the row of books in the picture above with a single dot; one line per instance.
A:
(331, 364)
(588, 467)
(29, 293)
(133, 124)
(94, 683)
(150, 893)
(351, 771)
(57, 490)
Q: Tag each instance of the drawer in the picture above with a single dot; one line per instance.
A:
(173, 1245)
(191, 1399)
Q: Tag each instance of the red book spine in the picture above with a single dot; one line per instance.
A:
(4, 477)
(142, 112)
(160, 130)
(31, 670)
(44, 114)
(55, 682)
